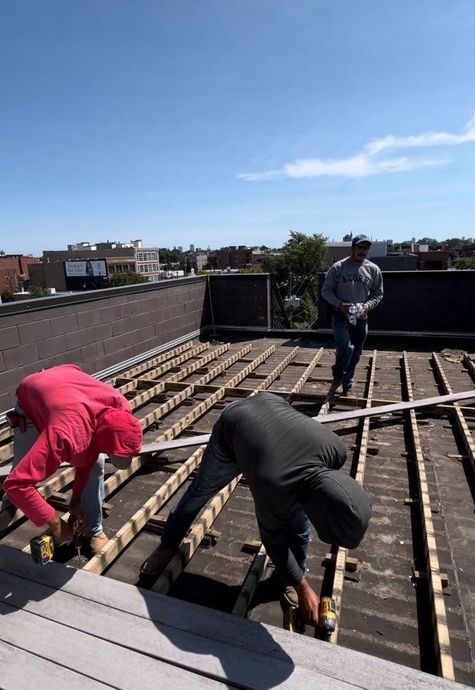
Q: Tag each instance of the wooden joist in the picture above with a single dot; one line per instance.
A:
(439, 615)
(460, 420)
(342, 553)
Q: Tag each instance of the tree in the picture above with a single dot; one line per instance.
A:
(295, 269)
(7, 296)
(464, 263)
(126, 279)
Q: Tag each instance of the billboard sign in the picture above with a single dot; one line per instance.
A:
(86, 268)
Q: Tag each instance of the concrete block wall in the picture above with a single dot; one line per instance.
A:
(95, 330)
(420, 301)
(241, 300)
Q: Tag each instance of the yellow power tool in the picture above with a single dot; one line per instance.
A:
(42, 548)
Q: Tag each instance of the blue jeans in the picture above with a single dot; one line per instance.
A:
(298, 537)
(216, 471)
(93, 494)
(349, 345)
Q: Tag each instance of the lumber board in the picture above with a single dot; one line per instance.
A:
(139, 368)
(460, 420)
(61, 642)
(20, 667)
(326, 419)
(439, 614)
(173, 363)
(138, 521)
(171, 623)
(342, 553)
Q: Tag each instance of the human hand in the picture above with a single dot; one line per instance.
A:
(363, 311)
(60, 530)
(81, 518)
(345, 308)
(308, 603)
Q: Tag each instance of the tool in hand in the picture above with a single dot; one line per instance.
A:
(42, 546)
(77, 538)
(327, 615)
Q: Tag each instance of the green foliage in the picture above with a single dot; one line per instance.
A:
(171, 257)
(37, 291)
(295, 269)
(7, 296)
(464, 263)
(251, 269)
(126, 279)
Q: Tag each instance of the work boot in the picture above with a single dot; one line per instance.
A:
(98, 542)
(156, 562)
(290, 596)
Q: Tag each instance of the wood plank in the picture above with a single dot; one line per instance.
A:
(460, 420)
(439, 615)
(33, 627)
(342, 553)
(138, 521)
(249, 641)
(20, 667)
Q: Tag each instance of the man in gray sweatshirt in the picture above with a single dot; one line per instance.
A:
(352, 282)
(291, 464)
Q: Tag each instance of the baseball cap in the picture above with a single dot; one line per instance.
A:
(359, 239)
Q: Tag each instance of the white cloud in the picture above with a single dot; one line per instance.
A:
(372, 159)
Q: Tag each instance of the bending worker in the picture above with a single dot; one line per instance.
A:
(64, 415)
(291, 464)
(352, 283)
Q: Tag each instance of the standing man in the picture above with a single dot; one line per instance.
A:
(353, 286)
(64, 415)
(291, 464)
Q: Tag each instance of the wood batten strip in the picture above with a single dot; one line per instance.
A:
(173, 363)
(469, 365)
(203, 523)
(191, 543)
(251, 581)
(462, 425)
(135, 371)
(342, 553)
(137, 522)
(306, 374)
(439, 616)
(6, 452)
(123, 475)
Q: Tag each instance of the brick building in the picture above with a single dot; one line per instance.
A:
(14, 271)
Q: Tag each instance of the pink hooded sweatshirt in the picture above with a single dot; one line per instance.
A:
(77, 418)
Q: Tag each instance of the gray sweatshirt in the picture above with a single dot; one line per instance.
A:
(347, 281)
(278, 449)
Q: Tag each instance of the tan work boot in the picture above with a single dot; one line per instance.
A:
(290, 596)
(156, 562)
(98, 542)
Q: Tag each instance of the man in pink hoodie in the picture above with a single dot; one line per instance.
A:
(65, 415)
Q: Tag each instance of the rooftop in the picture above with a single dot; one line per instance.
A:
(405, 595)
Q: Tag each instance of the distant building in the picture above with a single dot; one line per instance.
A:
(336, 251)
(432, 260)
(234, 257)
(120, 257)
(15, 271)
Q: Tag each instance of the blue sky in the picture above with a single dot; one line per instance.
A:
(220, 122)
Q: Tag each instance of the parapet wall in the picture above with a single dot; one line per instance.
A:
(96, 329)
